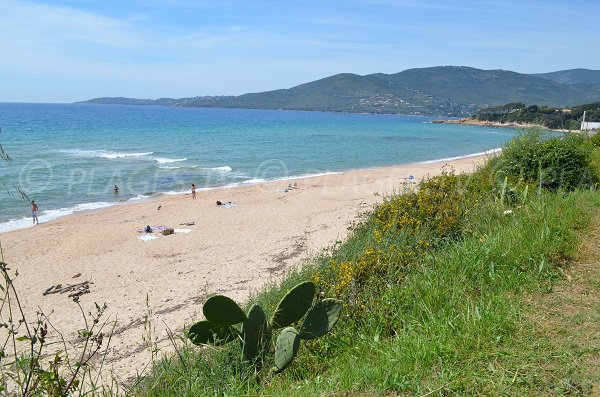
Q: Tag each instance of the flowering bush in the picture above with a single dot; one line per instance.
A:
(399, 232)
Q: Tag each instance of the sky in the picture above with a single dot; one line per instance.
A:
(71, 50)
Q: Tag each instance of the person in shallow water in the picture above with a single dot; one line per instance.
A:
(34, 212)
(116, 189)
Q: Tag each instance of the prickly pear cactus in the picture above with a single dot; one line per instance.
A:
(321, 318)
(293, 305)
(286, 348)
(219, 309)
(222, 313)
(256, 334)
(204, 332)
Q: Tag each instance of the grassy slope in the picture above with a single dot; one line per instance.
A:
(461, 326)
(458, 321)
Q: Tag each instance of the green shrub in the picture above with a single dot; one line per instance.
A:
(595, 139)
(553, 163)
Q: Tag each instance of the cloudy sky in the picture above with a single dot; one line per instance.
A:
(70, 50)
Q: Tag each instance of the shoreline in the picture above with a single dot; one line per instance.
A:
(83, 208)
(232, 251)
(496, 124)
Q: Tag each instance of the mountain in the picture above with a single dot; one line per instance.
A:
(157, 102)
(441, 90)
(573, 76)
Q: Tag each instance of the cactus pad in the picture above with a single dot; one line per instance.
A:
(293, 305)
(205, 332)
(256, 334)
(219, 309)
(286, 348)
(321, 318)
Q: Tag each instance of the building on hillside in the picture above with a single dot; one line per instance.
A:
(589, 125)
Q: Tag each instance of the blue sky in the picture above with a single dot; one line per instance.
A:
(70, 50)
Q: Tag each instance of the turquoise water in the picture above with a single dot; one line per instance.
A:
(67, 157)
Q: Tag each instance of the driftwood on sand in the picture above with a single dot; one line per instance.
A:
(75, 289)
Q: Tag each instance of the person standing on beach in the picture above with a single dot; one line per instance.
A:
(193, 191)
(34, 212)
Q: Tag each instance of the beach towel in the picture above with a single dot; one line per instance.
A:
(183, 230)
(154, 229)
(228, 205)
(147, 237)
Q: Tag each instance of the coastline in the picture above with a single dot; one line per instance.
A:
(493, 124)
(83, 208)
(232, 251)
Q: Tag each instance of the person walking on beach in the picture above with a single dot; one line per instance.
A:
(34, 212)
(193, 191)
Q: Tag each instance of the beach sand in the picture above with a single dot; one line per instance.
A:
(230, 251)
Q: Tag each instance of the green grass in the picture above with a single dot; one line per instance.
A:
(451, 321)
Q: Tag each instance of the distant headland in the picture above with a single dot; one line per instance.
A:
(519, 115)
(447, 91)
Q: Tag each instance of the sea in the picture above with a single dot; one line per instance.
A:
(68, 157)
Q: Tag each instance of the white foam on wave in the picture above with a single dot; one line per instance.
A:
(106, 154)
(220, 170)
(304, 176)
(466, 156)
(139, 197)
(225, 168)
(256, 181)
(164, 160)
(50, 215)
(173, 167)
(117, 155)
(251, 181)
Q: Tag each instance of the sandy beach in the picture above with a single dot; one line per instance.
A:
(231, 251)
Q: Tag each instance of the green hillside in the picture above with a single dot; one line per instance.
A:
(573, 76)
(443, 90)
(477, 87)
(547, 116)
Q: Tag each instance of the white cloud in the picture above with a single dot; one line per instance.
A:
(34, 24)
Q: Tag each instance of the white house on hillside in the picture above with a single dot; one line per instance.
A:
(589, 125)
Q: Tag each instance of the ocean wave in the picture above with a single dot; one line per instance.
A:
(251, 181)
(466, 156)
(173, 167)
(255, 181)
(225, 168)
(50, 215)
(210, 170)
(164, 160)
(139, 197)
(106, 154)
(304, 176)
